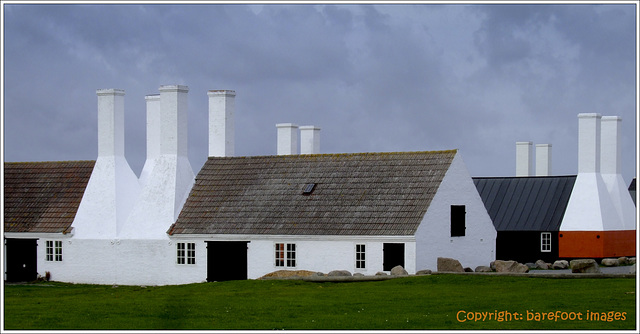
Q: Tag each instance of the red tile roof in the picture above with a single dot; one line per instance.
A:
(43, 196)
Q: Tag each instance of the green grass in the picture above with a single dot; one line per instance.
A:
(423, 302)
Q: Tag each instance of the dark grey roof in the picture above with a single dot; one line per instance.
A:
(525, 203)
(43, 196)
(354, 194)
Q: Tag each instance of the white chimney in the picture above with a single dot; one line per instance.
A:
(543, 159)
(589, 143)
(110, 122)
(113, 186)
(524, 158)
(153, 134)
(309, 139)
(287, 138)
(173, 120)
(610, 157)
(221, 123)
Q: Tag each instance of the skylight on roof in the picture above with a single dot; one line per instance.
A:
(308, 188)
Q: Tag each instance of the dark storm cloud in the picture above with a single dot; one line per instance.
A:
(374, 78)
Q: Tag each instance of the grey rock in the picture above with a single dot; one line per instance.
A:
(623, 260)
(319, 274)
(446, 264)
(468, 270)
(631, 260)
(560, 264)
(510, 267)
(381, 273)
(584, 266)
(492, 265)
(423, 272)
(358, 275)
(531, 265)
(483, 269)
(542, 265)
(398, 271)
(339, 273)
(610, 262)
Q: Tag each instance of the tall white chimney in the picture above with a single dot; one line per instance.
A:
(543, 159)
(113, 186)
(589, 143)
(170, 176)
(153, 134)
(287, 138)
(221, 123)
(309, 139)
(610, 157)
(524, 158)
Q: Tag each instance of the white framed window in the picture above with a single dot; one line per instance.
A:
(360, 257)
(545, 242)
(285, 255)
(186, 252)
(53, 250)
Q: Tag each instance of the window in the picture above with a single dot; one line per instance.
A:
(186, 252)
(285, 254)
(545, 242)
(53, 250)
(308, 188)
(458, 223)
(360, 257)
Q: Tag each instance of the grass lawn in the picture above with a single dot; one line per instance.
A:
(419, 303)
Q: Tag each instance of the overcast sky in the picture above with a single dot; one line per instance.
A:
(375, 78)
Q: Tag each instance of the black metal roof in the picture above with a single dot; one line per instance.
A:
(534, 203)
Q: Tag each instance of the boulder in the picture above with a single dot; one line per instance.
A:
(584, 266)
(423, 272)
(510, 267)
(542, 265)
(398, 271)
(631, 260)
(531, 265)
(358, 275)
(623, 260)
(560, 264)
(610, 262)
(446, 264)
(339, 273)
(492, 265)
(483, 269)
(468, 270)
(381, 273)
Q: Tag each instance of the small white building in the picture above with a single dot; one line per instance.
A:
(240, 217)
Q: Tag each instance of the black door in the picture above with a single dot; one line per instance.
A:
(22, 261)
(393, 255)
(226, 260)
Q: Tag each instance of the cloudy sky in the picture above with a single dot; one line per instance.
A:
(375, 78)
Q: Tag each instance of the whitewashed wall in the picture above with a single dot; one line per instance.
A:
(433, 238)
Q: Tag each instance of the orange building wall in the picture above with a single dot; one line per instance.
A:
(596, 244)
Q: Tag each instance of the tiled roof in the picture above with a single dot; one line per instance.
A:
(526, 203)
(43, 196)
(355, 194)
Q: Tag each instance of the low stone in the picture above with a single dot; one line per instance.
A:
(381, 273)
(584, 266)
(531, 265)
(560, 264)
(492, 265)
(483, 269)
(540, 264)
(423, 272)
(446, 264)
(510, 267)
(610, 262)
(631, 260)
(398, 271)
(623, 260)
(468, 270)
(339, 273)
(358, 275)
(319, 273)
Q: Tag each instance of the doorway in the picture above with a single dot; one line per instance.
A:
(226, 260)
(22, 260)
(393, 255)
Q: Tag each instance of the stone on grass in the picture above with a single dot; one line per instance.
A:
(584, 266)
(531, 265)
(358, 275)
(446, 264)
(483, 269)
(623, 260)
(381, 273)
(610, 262)
(423, 272)
(398, 271)
(560, 264)
(510, 267)
(339, 273)
(468, 270)
(540, 264)
(631, 260)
